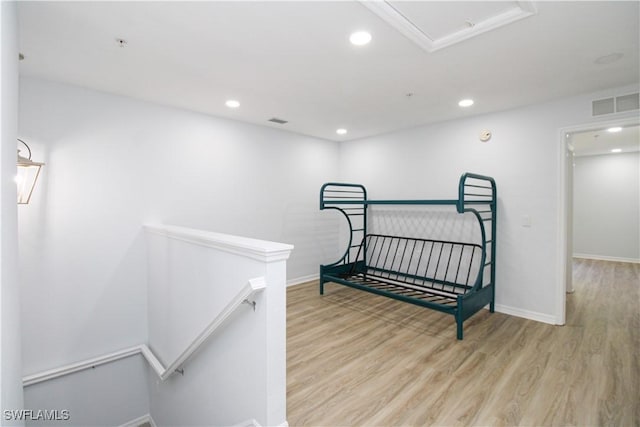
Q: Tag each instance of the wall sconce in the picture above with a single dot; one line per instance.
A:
(28, 172)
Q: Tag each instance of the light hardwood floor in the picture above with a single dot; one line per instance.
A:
(358, 359)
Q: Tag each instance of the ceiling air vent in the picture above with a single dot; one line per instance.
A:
(627, 102)
(278, 121)
(603, 106)
(619, 104)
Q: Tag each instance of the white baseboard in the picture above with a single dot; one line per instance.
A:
(526, 314)
(147, 419)
(302, 279)
(254, 423)
(140, 420)
(607, 258)
(248, 423)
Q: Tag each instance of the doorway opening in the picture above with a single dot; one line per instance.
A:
(597, 197)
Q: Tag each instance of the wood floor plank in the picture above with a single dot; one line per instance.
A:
(355, 358)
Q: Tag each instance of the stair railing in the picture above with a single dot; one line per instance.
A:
(244, 296)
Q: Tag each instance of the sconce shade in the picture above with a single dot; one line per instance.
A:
(28, 172)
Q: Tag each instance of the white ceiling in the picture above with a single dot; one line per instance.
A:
(601, 141)
(293, 60)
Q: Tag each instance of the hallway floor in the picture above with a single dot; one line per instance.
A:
(355, 358)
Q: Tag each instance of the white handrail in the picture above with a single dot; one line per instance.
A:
(250, 289)
(253, 286)
(79, 366)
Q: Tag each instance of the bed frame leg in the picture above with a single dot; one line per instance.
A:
(321, 287)
(459, 329)
(492, 303)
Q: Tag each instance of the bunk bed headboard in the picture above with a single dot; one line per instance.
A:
(351, 201)
(477, 194)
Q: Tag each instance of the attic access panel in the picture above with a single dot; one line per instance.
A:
(438, 24)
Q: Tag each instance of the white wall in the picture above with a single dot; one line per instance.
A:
(108, 395)
(607, 206)
(524, 157)
(112, 164)
(239, 372)
(10, 363)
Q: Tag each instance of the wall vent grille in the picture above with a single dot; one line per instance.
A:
(628, 102)
(619, 104)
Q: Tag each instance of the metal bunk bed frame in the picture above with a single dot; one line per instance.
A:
(391, 266)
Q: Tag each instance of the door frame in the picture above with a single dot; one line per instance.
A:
(565, 190)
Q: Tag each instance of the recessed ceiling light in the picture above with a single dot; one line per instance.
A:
(341, 131)
(614, 129)
(360, 38)
(466, 103)
(616, 150)
(232, 103)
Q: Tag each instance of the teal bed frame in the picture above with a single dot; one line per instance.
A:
(456, 278)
